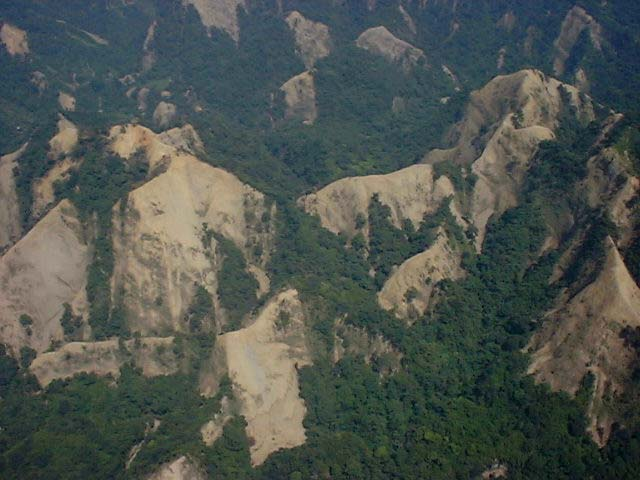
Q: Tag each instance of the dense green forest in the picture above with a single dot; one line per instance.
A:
(461, 400)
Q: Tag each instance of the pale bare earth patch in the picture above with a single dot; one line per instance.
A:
(313, 41)
(220, 14)
(10, 221)
(300, 98)
(576, 21)
(262, 361)
(65, 140)
(14, 40)
(153, 355)
(164, 114)
(46, 268)
(380, 41)
(410, 193)
(161, 247)
(67, 102)
(407, 292)
(183, 468)
(582, 335)
(212, 430)
(43, 188)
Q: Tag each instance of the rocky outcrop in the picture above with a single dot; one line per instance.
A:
(14, 40)
(10, 221)
(262, 362)
(44, 270)
(380, 41)
(67, 102)
(65, 140)
(300, 98)
(154, 356)
(582, 335)
(503, 125)
(163, 240)
(220, 14)
(576, 21)
(410, 193)
(183, 468)
(408, 291)
(164, 114)
(313, 41)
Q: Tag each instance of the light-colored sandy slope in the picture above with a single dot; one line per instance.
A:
(96, 38)
(39, 79)
(157, 149)
(313, 41)
(380, 41)
(10, 222)
(609, 184)
(43, 188)
(410, 193)
(508, 21)
(148, 54)
(181, 469)
(212, 430)
(417, 277)
(300, 98)
(65, 140)
(262, 362)
(220, 14)
(46, 268)
(158, 235)
(14, 39)
(575, 22)
(67, 102)
(503, 125)
(164, 114)
(583, 335)
(153, 355)
(355, 341)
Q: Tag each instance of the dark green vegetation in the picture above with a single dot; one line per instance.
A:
(461, 399)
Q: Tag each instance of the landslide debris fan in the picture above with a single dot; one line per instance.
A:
(410, 251)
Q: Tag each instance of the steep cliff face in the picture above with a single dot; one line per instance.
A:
(410, 193)
(576, 21)
(153, 355)
(504, 123)
(262, 362)
(300, 98)
(219, 14)
(583, 335)
(380, 41)
(163, 248)
(408, 291)
(44, 270)
(313, 41)
(10, 222)
(14, 40)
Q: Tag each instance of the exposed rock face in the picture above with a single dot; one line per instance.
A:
(220, 14)
(10, 222)
(65, 140)
(153, 355)
(262, 362)
(313, 41)
(14, 40)
(43, 188)
(148, 54)
(160, 245)
(583, 335)
(410, 193)
(67, 102)
(576, 21)
(300, 98)
(181, 469)
(499, 137)
(213, 429)
(407, 292)
(164, 114)
(44, 270)
(380, 41)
